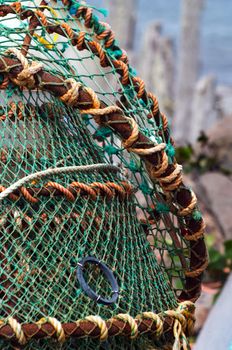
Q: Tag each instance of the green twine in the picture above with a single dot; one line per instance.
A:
(64, 47)
(144, 187)
(197, 215)
(111, 150)
(170, 150)
(114, 52)
(162, 207)
(132, 71)
(86, 118)
(143, 104)
(11, 90)
(102, 133)
(134, 166)
(103, 11)
(75, 6)
(129, 91)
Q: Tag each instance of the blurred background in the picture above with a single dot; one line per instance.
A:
(183, 51)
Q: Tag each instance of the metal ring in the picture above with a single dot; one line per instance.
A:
(108, 274)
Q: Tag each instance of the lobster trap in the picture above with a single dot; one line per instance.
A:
(101, 242)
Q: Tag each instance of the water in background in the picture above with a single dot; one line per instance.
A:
(216, 44)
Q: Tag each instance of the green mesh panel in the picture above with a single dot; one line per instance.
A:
(42, 243)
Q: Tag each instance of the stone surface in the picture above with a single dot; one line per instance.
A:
(216, 193)
(216, 333)
(220, 143)
(224, 98)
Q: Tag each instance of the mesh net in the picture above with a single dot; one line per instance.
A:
(140, 227)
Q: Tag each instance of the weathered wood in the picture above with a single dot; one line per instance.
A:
(224, 97)
(156, 65)
(204, 112)
(123, 20)
(188, 65)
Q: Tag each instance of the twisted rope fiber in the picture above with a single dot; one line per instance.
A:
(108, 189)
(55, 171)
(114, 117)
(94, 326)
(60, 334)
(79, 40)
(96, 110)
(30, 80)
(107, 38)
(72, 95)
(18, 110)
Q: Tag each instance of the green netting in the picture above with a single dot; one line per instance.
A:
(42, 242)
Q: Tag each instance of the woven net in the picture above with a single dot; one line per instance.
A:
(68, 98)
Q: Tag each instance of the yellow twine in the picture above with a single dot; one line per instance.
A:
(56, 325)
(101, 325)
(41, 39)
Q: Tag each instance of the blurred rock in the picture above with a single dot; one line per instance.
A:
(219, 145)
(216, 193)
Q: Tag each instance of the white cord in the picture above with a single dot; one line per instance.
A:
(55, 171)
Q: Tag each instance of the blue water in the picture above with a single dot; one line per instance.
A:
(216, 41)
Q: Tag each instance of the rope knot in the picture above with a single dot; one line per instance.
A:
(26, 76)
(187, 309)
(183, 323)
(71, 96)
